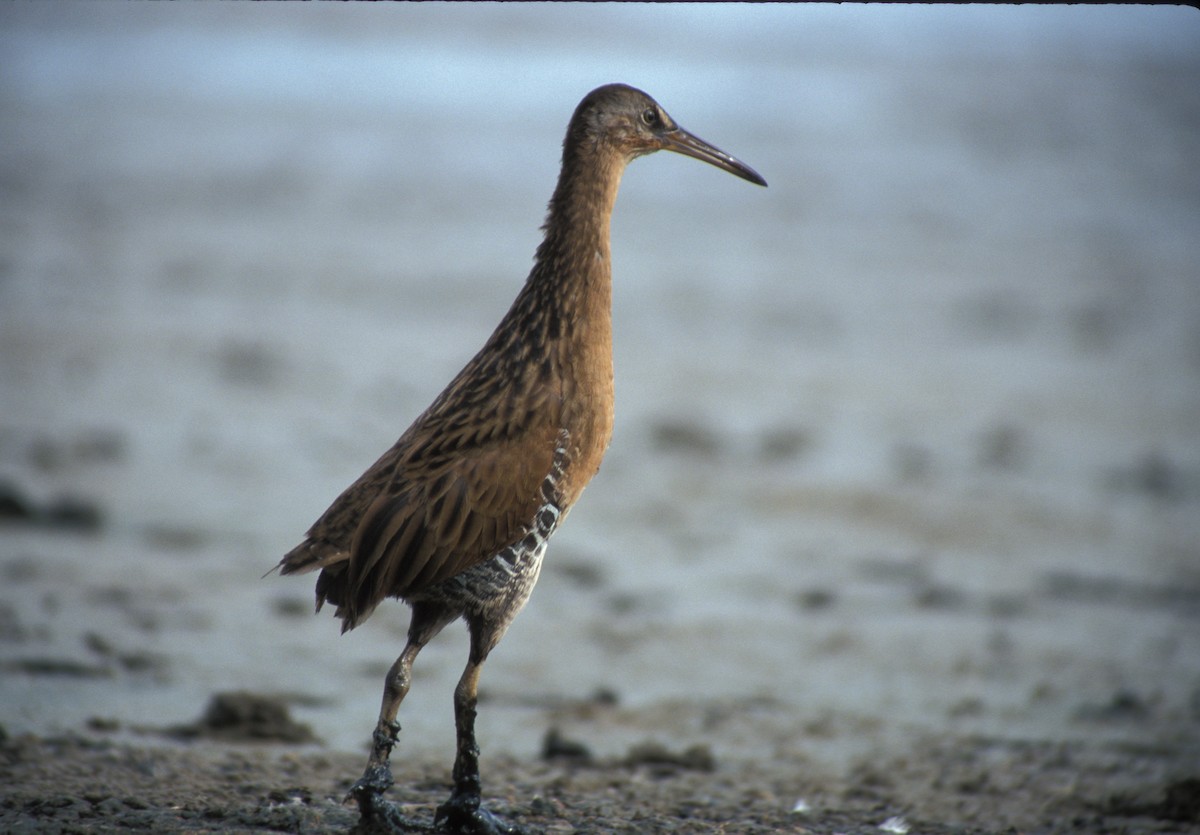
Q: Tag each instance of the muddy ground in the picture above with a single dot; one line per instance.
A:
(943, 785)
(900, 526)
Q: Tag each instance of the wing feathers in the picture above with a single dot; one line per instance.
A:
(425, 528)
(462, 483)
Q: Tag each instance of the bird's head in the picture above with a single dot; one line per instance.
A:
(623, 119)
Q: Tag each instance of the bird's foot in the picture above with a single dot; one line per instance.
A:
(378, 777)
(375, 813)
(375, 781)
(463, 815)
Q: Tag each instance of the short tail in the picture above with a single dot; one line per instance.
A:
(310, 556)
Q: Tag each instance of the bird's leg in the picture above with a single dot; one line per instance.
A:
(377, 778)
(462, 813)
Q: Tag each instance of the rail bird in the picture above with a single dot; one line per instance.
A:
(455, 517)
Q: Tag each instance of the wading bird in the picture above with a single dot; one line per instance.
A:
(454, 518)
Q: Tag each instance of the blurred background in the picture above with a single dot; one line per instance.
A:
(907, 443)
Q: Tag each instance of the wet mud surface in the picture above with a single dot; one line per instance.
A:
(241, 770)
(900, 526)
(947, 785)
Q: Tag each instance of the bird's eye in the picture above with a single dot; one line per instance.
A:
(650, 117)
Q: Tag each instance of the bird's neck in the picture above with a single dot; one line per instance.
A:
(575, 255)
(570, 288)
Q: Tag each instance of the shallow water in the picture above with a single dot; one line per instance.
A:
(908, 440)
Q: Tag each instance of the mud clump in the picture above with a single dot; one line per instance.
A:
(70, 514)
(246, 717)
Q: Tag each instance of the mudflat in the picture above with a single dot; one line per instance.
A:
(900, 525)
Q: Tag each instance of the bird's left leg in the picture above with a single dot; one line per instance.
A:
(462, 813)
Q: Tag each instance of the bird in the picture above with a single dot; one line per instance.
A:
(454, 518)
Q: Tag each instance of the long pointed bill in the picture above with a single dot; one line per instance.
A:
(682, 142)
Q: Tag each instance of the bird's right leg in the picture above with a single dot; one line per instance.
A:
(378, 775)
(377, 778)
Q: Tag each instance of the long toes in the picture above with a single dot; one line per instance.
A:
(379, 816)
(375, 781)
(468, 818)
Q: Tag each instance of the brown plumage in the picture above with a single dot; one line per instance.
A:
(454, 517)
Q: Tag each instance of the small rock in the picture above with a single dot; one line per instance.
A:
(74, 514)
(14, 507)
(63, 667)
(103, 724)
(98, 644)
(1125, 705)
(292, 607)
(943, 598)
(250, 717)
(813, 599)
(688, 438)
(556, 747)
(65, 513)
(1002, 448)
(1182, 801)
(696, 758)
